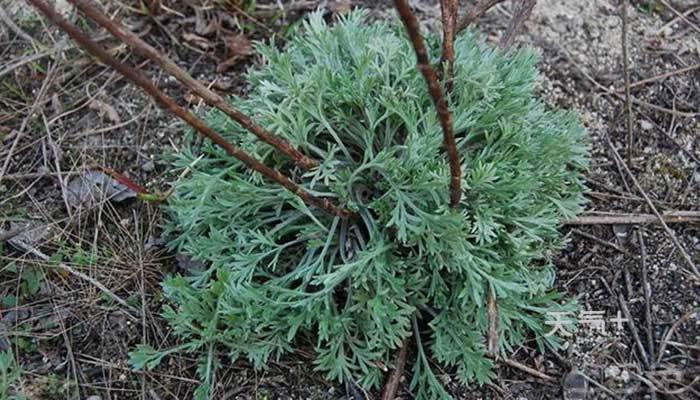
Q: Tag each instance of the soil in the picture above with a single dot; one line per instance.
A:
(63, 114)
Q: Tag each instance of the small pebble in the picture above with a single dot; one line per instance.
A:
(148, 166)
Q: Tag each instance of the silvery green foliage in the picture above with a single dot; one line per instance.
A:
(283, 274)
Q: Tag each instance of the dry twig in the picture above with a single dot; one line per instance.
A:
(169, 104)
(680, 15)
(668, 230)
(635, 332)
(423, 64)
(450, 9)
(660, 77)
(529, 370)
(628, 95)
(476, 12)
(392, 384)
(209, 96)
(492, 312)
(600, 241)
(646, 289)
(669, 217)
(522, 13)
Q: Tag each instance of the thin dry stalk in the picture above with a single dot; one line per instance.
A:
(669, 334)
(600, 241)
(670, 217)
(646, 289)
(169, 104)
(522, 13)
(475, 12)
(492, 311)
(423, 64)
(658, 215)
(13, 27)
(628, 94)
(529, 370)
(38, 102)
(680, 15)
(392, 384)
(450, 9)
(613, 92)
(635, 332)
(209, 96)
(661, 76)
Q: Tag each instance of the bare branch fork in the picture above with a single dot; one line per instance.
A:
(423, 64)
(520, 15)
(475, 12)
(209, 96)
(168, 103)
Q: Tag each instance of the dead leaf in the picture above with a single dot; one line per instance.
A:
(197, 41)
(189, 264)
(238, 47)
(341, 7)
(30, 233)
(205, 24)
(192, 99)
(105, 110)
(222, 85)
(90, 188)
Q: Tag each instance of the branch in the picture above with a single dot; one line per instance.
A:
(492, 312)
(392, 384)
(521, 14)
(423, 64)
(209, 96)
(634, 219)
(475, 12)
(450, 9)
(626, 73)
(169, 104)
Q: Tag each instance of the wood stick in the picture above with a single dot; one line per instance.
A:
(475, 12)
(169, 104)
(392, 385)
(423, 64)
(521, 14)
(635, 332)
(209, 96)
(646, 289)
(628, 92)
(450, 8)
(671, 217)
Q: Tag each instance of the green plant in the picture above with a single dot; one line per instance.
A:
(407, 266)
(10, 373)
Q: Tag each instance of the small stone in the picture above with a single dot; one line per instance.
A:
(148, 166)
(645, 125)
(625, 376)
(575, 386)
(612, 371)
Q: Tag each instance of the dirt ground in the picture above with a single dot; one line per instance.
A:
(79, 285)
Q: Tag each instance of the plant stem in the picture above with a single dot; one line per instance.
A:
(168, 103)
(423, 64)
(209, 96)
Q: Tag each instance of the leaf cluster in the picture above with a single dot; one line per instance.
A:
(283, 275)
